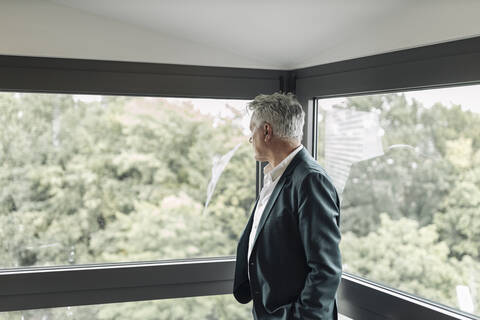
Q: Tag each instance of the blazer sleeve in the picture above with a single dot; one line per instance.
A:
(318, 223)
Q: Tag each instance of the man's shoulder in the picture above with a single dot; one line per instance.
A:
(307, 167)
(304, 168)
(310, 174)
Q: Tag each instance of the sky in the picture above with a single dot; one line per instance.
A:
(466, 96)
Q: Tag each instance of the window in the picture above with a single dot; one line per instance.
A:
(93, 179)
(407, 166)
(222, 307)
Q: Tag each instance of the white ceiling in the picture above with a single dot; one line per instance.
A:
(271, 34)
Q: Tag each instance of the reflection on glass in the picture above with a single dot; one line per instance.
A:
(89, 179)
(222, 307)
(408, 167)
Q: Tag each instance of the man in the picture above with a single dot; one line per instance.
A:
(288, 259)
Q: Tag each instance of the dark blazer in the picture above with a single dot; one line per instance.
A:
(295, 264)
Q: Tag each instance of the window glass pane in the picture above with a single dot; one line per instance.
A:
(221, 307)
(408, 167)
(89, 179)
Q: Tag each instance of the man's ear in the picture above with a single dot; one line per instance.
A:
(267, 130)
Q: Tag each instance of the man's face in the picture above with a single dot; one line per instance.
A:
(258, 142)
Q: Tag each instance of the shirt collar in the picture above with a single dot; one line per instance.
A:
(273, 173)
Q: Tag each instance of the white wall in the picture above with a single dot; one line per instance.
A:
(40, 28)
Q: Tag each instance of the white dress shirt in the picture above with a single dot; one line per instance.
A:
(270, 180)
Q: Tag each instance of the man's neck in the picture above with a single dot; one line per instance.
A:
(280, 153)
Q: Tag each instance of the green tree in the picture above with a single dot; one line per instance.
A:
(405, 256)
(458, 219)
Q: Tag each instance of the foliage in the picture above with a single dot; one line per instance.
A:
(405, 256)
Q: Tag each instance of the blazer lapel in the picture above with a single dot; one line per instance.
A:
(242, 252)
(277, 189)
(268, 207)
(248, 228)
(241, 286)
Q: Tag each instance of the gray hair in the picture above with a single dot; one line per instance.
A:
(282, 111)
